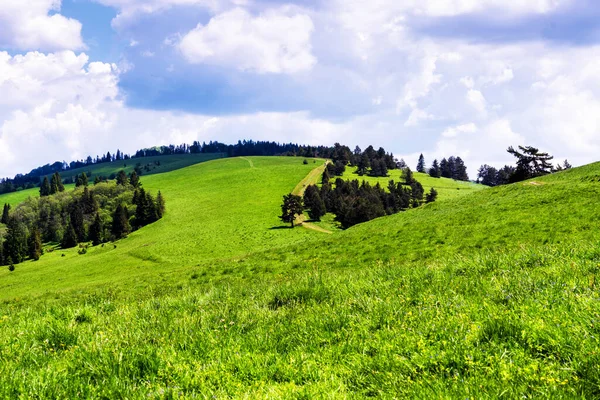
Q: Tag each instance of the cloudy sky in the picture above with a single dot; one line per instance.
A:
(442, 77)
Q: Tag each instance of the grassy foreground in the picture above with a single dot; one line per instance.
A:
(490, 295)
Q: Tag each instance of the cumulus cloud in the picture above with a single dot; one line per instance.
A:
(276, 41)
(28, 25)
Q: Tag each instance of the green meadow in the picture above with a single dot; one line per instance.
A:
(492, 293)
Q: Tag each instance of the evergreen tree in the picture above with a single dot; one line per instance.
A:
(421, 164)
(160, 205)
(416, 193)
(82, 180)
(5, 214)
(435, 171)
(97, 180)
(363, 164)
(120, 225)
(314, 203)
(326, 177)
(96, 231)
(122, 178)
(530, 163)
(35, 245)
(487, 175)
(134, 179)
(460, 170)
(292, 207)
(15, 245)
(45, 188)
(431, 196)
(56, 184)
(76, 216)
(408, 176)
(69, 240)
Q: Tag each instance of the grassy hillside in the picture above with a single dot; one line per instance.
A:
(215, 210)
(447, 188)
(149, 165)
(489, 295)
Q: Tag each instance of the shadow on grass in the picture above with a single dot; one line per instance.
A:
(282, 227)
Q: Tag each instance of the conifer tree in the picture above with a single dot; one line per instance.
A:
(431, 196)
(5, 214)
(326, 177)
(96, 231)
(291, 208)
(15, 245)
(122, 178)
(435, 171)
(417, 193)
(69, 239)
(134, 179)
(160, 205)
(421, 164)
(77, 223)
(97, 180)
(120, 224)
(314, 203)
(35, 244)
(408, 176)
(45, 188)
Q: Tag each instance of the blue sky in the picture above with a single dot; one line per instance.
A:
(442, 77)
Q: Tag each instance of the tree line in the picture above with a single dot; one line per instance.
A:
(96, 214)
(531, 163)
(353, 202)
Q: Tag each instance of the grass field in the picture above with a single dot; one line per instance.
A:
(446, 188)
(489, 295)
(156, 165)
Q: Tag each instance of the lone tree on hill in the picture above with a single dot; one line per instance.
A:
(292, 206)
(421, 164)
(530, 163)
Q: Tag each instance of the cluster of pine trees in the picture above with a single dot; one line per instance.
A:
(107, 211)
(353, 202)
(451, 168)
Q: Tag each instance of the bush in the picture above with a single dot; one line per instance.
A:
(11, 267)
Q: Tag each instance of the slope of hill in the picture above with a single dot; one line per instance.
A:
(149, 165)
(489, 295)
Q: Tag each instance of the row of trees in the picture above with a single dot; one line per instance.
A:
(531, 163)
(107, 211)
(451, 167)
(353, 202)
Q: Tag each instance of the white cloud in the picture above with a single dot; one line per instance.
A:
(274, 42)
(476, 99)
(458, 130)
(27, 25)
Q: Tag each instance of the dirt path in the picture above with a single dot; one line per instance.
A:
(249, 161)
(299, 190)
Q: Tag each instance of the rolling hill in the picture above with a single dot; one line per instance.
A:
(490, 294)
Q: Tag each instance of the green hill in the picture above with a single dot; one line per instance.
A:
(492, 294)
(149, 165)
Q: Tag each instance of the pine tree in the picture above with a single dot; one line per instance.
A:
(120, 223)
(363, 164)
(5, 214)
(134, 180)
(122, 178)
(435, 171)
(15, 245)
(417, 193)
(160, 205)
(314, 203)
(35, 245)
(45, 188)
(291, 208)
(421, 164)
(431, 196)
(97, 180)
(76, 214)
(56, 184)
(408, 176)
(69, 240)
(96, 231)
(326, 178)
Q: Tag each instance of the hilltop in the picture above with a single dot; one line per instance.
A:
(492, 293)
